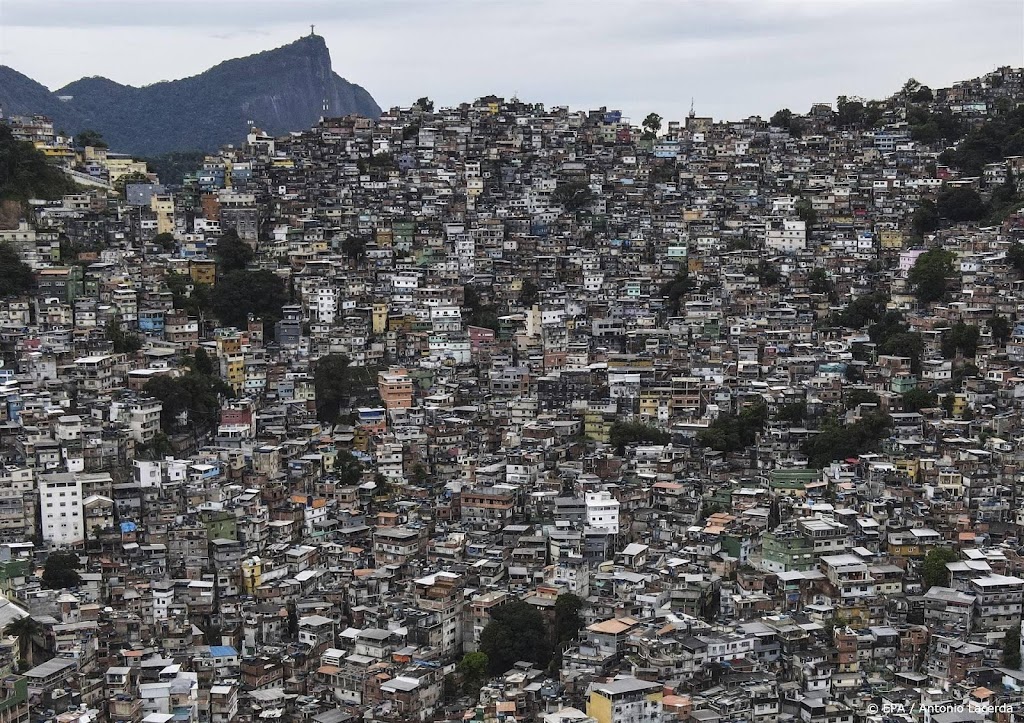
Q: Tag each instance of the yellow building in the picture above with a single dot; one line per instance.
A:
(117, 167)
(380, 318)
(626, 700)
(891, 239)
(163, 206)
(203, 271)
(252, 574)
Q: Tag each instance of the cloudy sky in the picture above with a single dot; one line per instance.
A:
(733, 57)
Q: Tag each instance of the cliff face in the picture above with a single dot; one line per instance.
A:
(279, 90)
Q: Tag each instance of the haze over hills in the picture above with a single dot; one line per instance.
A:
(279, 90)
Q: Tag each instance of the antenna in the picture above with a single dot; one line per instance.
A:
(692, 114)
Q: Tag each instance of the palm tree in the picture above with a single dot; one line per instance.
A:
(25, 629)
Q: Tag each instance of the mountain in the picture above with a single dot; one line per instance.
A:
(279, 90)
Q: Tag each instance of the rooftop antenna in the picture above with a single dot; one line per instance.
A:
(692, 114)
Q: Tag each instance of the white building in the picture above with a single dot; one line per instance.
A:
(602, 510)
(60, 499)
(785, 236)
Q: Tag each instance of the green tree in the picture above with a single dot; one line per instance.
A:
(838, 441)
(925, 219)
(960, 204)
(1015, 257)
(425, 104)
(529, 293)
(348, 469)
(197, 394)
(1011, 648)
(516, 632)
(332, 381)
(354, 247)
(623, 434)
(61, 570)
(165, 241)
(929, 276)
(849, 111)
(472, 670)
(933, 569)
(573, 195)
(26, 629)
(16, 278)
(123, 342)
(855, 397)
(788, 121)
(26, 173)
(917, 399)
(794, 412)
(1001, 329)
(652, 123)
(567, 618)
(241, 293)
(806, 213)
(819, 283)
(232, 253)
(202, 363)
(961, 339)
(86, 138)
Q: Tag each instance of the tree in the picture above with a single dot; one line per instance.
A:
(573, 195)
(202, 364)
(1015, 257)
(961, 339)
(165, 241)
(794, 412)
(788, 121)
(838, 441)
(196, 398)
(652, 123)
(425, 104)
(925, 219)
(917, 399)
(232, 253)
(818, 282)
(529, 293)
(933, 569)
(948, 402)
(929, 275)
(348, 469)
(516, 632)
(960, 204)
(16, 277)
(623, 434)
(60, 571)
(333, 384)
(855, 397)
(1000, 327)
(87, 138)
(354, 247)
(26, 629)
(472, 669)
(123, 342)
(805, 212)
(567, 618)
(26, 173)
(1011, 648)
(240, 294)
(768, 274)
(849, 111)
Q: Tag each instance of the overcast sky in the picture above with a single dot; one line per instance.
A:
(735, 58)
